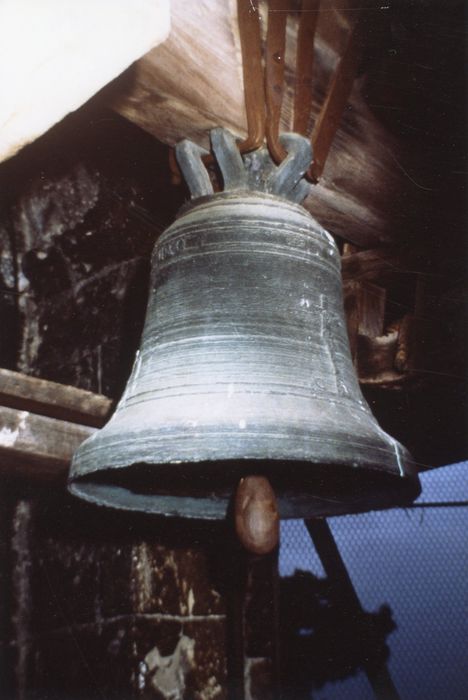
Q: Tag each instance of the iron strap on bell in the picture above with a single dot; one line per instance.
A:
(244, 365)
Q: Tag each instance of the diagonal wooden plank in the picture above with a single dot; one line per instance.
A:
(51, 399)
(37, 447)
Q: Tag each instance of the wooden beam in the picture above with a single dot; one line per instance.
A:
(37, 447)
(55, 55)
(46, 398)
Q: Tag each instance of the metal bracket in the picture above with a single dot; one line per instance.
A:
(248, 174)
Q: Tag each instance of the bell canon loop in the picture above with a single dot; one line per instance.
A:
(244, 365)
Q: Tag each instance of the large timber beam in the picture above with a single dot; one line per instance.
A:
(42, 423)
(55, 54)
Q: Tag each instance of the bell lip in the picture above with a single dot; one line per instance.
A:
(280, 444)
(366, 489)
(243, 194)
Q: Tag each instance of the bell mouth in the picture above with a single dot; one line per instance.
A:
(205, 490)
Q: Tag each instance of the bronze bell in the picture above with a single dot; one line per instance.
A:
(244, 365)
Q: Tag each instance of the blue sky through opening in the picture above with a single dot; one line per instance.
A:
(416, 561)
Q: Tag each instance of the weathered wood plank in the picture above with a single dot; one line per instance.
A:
(37, 447)
(51, 399)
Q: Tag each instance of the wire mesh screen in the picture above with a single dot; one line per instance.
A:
(409, 569)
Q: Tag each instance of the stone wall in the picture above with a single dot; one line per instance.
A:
(94, 605)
